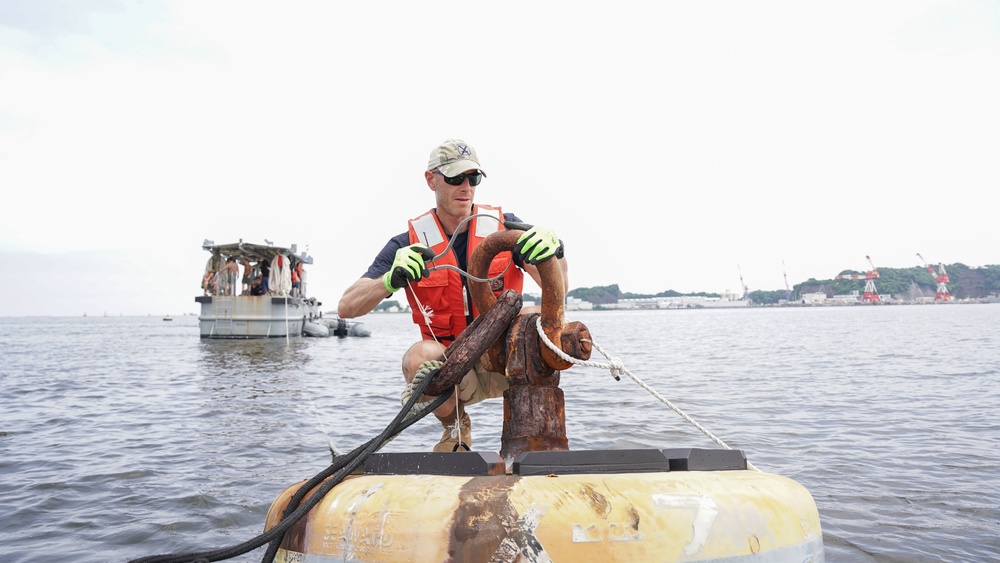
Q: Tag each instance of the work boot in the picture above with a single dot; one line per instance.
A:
(450, 439)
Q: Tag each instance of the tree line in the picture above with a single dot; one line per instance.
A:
(964, 283)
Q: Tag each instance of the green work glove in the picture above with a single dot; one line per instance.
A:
(537, 245)
(408, 266)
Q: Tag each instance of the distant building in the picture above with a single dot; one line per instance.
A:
(813, 298)
(852, 298)
(681, 302)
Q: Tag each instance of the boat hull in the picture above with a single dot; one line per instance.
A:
(726, 515)
(246, 316)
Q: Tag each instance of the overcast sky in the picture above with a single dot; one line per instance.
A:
(670, 145)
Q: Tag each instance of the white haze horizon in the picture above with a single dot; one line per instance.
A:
(672, 146)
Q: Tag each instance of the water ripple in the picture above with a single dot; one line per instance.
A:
(124, 437)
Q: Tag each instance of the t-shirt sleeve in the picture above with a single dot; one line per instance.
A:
(383, 262)
(511, 217)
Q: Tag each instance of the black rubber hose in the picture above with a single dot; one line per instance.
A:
(381, 439)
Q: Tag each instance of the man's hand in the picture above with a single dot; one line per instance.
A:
(537, 245)
(408, 266)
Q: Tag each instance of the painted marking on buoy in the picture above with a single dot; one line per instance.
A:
(585, 535)
(521, 540)
(705, 512)
(355, 537)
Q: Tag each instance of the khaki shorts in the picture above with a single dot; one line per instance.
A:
(479, 385)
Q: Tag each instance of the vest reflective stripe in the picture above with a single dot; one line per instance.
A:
(427, 230)
(486, 227)
(442, 292)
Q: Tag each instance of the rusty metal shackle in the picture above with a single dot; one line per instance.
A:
(572, 339)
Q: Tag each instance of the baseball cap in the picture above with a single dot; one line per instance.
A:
(453, 157)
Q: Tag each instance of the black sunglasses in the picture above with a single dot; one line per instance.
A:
(474, 178)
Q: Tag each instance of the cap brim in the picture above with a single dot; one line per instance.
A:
(459, 166)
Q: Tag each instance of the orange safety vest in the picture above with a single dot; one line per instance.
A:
(443, 292)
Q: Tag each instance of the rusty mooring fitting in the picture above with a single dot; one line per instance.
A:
(573, 339)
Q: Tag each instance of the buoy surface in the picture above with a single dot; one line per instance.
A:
(730, 515)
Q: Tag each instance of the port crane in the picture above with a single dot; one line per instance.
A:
(941, 277)
(788, 292)
(746, 290)
(870, 294)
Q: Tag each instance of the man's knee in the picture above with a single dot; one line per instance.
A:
(418, 354)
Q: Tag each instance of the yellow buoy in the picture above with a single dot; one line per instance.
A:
(562, 513)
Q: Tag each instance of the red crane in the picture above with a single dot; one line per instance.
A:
(871, 294)
(941, 277)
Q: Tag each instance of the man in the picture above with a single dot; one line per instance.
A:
(453, 173)
(295, 279)
(231, 273)
(212, 267)
(265, 276)
(247, 276)
(299, 280)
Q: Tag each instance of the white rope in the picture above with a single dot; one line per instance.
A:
(617, 368)
(425, 311)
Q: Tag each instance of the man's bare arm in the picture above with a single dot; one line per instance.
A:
(361, 298)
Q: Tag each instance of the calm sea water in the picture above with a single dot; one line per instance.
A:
(125, 437)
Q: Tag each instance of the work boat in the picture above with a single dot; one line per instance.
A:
(233, 309)
(536, 500)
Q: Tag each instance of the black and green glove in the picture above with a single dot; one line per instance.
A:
(408, 266)
(537, 245)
